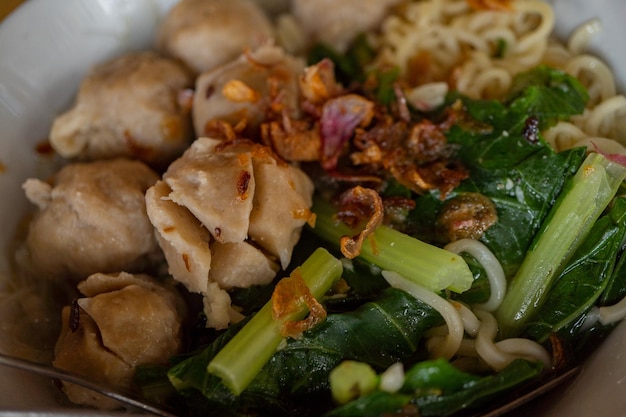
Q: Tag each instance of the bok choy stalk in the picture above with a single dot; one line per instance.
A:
(249, 350)
(427, 265)
(583, 280)
(571, 218)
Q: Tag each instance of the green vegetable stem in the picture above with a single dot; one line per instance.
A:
(571, 218)
(249, 350)
(427, 265)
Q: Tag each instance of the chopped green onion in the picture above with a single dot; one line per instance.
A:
(571, 218)
(238, 363)
(351, 380)
(427, 265)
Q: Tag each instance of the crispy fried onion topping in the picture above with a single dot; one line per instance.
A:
(293, 140)
(416, 154)
(318, 82)
(240, 92)
(288, 299)
(359, 204)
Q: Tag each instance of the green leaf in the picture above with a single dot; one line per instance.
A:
(377, 404)
(584, 279)
(349, 66)
(379, 333)
(547, 94)
(477, 393)
(568, 224)
(436, 376)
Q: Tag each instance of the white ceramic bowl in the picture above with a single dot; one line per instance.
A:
(47, 45)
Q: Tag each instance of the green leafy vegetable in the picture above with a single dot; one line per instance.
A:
(547, 94)
(379, 333)
(584, 279)
(511, 165)
(569, 222)
(350, 66)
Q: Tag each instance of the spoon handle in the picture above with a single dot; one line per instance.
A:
(54, 373)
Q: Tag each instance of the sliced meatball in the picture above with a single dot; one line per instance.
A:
(217, 187)
(234, 205)
(335, 22)
(281, 205)
(92, 218)
(122, 321)
(248, 89)
(130, 106)
(184, 240)
(207, 33)
(241, 265)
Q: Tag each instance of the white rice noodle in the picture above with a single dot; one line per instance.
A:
(525, 348)
(452, 341)
(491, 265)
(471, 324)
(612, 314)
(499, 355)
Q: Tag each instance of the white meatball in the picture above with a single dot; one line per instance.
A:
(337, 23)
(130, 106)
(122, 321)
(207, 33)
(92, 218)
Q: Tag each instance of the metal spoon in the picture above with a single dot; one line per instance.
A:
(50, 372)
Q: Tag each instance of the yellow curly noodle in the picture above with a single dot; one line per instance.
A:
(479, 50)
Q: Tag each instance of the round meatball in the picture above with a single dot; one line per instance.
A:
(335, 22)
(130, 106)
(92, 218)
(207, 33)
(247, 89)
(122, 321)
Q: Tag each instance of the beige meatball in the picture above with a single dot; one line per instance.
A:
(92, 218)
(337, 23)
(228, 215)
(207, 33)
(122, 321)
(131, 106)
(248, 89)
